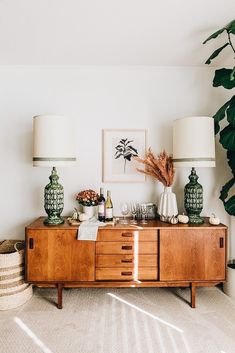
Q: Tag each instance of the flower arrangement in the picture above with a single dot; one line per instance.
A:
(159, 167)
(87, 198)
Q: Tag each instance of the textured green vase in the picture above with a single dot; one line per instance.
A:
(193, 199)
(54, 200)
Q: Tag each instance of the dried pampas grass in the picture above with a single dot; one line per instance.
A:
(160, 167)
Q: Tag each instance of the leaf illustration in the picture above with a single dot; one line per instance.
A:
(125, 150)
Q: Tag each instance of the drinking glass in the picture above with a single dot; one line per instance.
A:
(134, 213)
(124, 211)
(144, 213)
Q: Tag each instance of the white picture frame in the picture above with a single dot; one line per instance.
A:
(119, 147)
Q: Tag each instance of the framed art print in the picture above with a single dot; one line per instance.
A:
(119, 148)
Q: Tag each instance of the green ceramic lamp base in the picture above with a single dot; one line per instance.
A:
(193, 199)
(54, 200)
(195, 219)
(53, 220)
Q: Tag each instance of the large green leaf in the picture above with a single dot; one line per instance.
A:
(231, 27)
(231, 112)
(227, 138)
(225, 189)
(223, 78)
(216, 127)
(220, 114)
(230, 206)
(214, 35)
(216, 53)
(232, 75)
(231, 160)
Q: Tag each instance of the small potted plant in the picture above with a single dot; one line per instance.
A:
(88, 199)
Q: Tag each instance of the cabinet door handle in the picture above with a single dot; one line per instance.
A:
(126, 261)
(127, 273)
(127, 235)
(221, 242)
(127, 247)
(31, 243)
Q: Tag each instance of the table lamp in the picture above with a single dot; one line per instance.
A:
(194, 146)
(53, 146)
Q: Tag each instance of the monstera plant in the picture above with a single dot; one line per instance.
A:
(225, 77)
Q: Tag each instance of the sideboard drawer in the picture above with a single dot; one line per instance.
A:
(127, 235)
(143, 247)
(114, 247)
(126, 274)
(126, 260)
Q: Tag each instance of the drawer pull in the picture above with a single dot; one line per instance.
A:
(126, 261)
(221, 242)
(31, 243)
(127, 273)
(127, 235)
(127, 247)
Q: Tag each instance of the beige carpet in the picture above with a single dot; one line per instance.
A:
(121, 321)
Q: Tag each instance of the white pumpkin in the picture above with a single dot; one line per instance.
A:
(182, 218)
(83, 217)
(214, 220)
(173, 220)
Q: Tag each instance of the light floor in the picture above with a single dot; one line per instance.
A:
(147, 320)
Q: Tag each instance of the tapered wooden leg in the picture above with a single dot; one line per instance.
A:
(59, 294)
(193, 295)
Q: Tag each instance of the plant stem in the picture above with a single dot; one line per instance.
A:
(231, 44)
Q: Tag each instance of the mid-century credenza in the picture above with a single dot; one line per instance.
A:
(155, 254)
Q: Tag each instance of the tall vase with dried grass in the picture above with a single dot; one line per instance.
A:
(161, 168)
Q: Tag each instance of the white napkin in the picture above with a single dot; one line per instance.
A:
(88, 229)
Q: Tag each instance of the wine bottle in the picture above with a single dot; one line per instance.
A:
(108, 208)
(101, 206)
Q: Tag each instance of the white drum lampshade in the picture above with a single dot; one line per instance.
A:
(194, 142)
(194, 146)
(54, 142)
(54, 146)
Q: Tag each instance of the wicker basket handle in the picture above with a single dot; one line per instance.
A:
(15, 245)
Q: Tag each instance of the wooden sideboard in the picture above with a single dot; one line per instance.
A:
(153, 255)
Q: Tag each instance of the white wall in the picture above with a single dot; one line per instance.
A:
(108, 32)
(98, 97)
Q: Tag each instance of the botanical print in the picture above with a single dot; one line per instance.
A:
(126, 150)
(119, 148)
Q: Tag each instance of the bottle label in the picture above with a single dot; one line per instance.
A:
(101, 209)
(109, 213)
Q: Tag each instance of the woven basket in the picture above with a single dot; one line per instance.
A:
(13, 290)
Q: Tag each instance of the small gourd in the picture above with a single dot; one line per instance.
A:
(173, 220)
(83, 217)
(75, 214)
(183, 218)
(214, 220)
